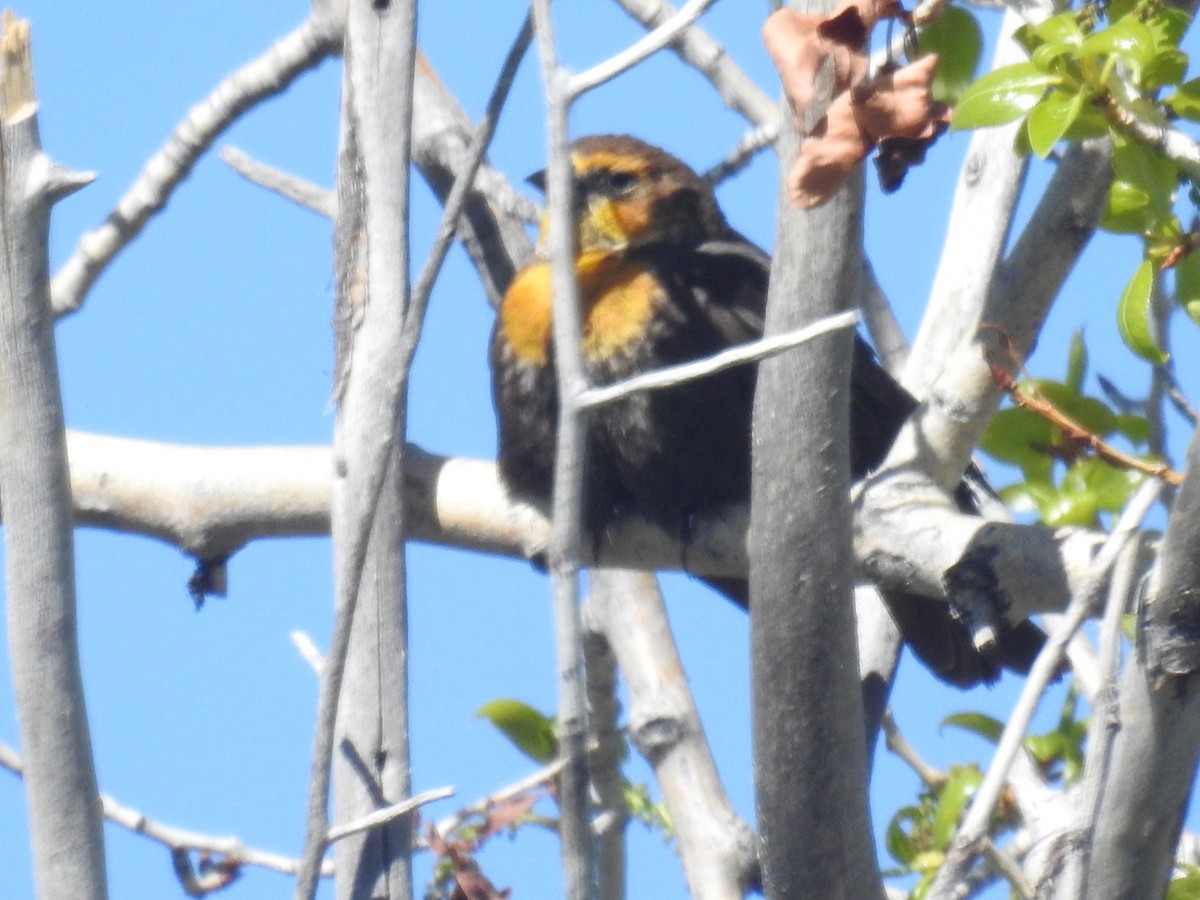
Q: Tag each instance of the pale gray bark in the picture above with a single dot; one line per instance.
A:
(1155, 752)
(372, 268)
(718, 850)
(60, 778)
(813, 813)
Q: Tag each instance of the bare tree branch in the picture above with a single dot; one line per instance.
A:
(493, 226)
(698, 49)
(971, 833)
(814, 817)
(567, 533)
(726, 359)
(985, 198)
(1156, 749)
(608, 753)
(718, 850)
(372, 268)
(303, 193)
(60, 784)
(176, 838)
(651, 43)
(262, 78)
(212, 501)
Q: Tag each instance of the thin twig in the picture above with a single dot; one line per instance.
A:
(460, 193)
(734, 356)
(1030, 397)
(1102, 729)
(304, 193)
(534, 780)
(645, 46)
(697, 48)
(974, 827)
(567, 529)
(387, 814)
(1136, 119)
(258, 80)
(898, 744)
(176, 838)
(753, 142)
(308, 651)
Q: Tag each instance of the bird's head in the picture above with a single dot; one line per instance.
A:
(628, 194)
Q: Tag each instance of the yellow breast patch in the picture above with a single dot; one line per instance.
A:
(618, 297)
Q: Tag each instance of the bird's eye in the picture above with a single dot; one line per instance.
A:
(621, 182)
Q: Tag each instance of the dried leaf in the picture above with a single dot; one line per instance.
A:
(899, 103)
(827, 159)
(503, 814)
(798, 49)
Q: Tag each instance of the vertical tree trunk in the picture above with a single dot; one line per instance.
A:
(810, 760)
(371, 761)
(60, 779)
(1154, 755)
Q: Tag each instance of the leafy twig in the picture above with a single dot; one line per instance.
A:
(1029, 397)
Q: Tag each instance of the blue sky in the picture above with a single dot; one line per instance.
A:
(213, 328)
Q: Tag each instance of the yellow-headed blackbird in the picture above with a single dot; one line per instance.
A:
(664, 279)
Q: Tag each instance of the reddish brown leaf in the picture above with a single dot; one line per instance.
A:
(798, 50)
(501, 815)
(827, 159)
(899, 103)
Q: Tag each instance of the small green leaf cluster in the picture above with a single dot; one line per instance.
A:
(1090, 71)
(1064, 87)
(533, 733)
(1060, 751)
(1063, 485)
(650, 812)
(918, 835)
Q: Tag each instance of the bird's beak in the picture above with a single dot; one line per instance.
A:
(538, 180)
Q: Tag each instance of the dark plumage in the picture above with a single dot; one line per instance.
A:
(664, 279)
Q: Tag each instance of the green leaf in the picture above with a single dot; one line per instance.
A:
(1002, 96)
(1089, 412)
(899, 844)
(1186, 100)
(1050, 119)
(1077, 361)
(1136, 429)
(1187, 284)
(979, 724)
(1076, 508)
(1030, 496)
(1141, 167)
(1090, 123)
(1168, 26)
(1119, 9)
(958, 41)
(1045, 747)
(1062, 28)
(1012, 435)
(1128, 40)
(1185, 888)
(1168, 66)
(1134, 315)
(528, 730)
(1047, 55)
(1127, 210)
(953, 798)
(1112, 486)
